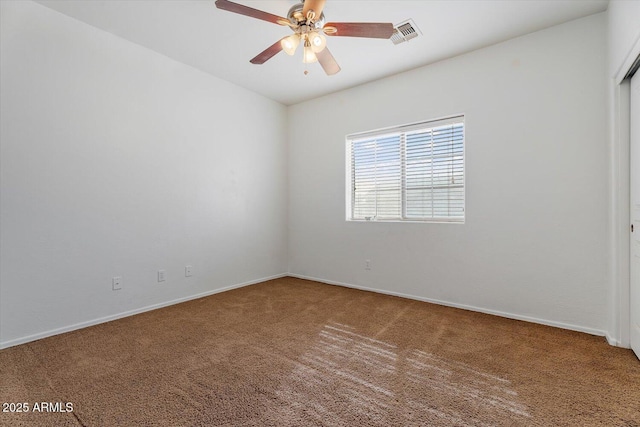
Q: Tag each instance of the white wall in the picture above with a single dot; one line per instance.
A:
(117, 161)
(623, 46)
(534, 244)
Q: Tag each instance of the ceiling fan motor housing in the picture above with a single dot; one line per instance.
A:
(296, 17)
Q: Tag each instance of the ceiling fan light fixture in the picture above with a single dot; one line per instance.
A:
(307, 21)
(318, 41)
(309, 55)
(290, 44)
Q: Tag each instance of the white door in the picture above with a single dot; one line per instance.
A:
(634, 299)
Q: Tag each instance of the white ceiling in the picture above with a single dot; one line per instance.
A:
(221, 43)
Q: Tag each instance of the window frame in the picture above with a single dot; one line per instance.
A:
(403, 131)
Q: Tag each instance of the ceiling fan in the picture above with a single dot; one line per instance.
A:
(307, 22)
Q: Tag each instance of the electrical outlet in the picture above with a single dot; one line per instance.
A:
(116, 283)
(162, 276)
(188, 271)
(367, 264)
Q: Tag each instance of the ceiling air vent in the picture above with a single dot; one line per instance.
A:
(404, 32)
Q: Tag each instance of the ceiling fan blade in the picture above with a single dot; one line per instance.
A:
(315, 5)
(268, 53)
(249, 11)
(328, 62)
(376, 30)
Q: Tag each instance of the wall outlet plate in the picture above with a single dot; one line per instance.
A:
(188, 271)
(162, 275)
(116, 283)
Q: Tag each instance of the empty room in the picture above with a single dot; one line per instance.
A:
(319, 213)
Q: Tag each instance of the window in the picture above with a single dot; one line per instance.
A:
(407, 173)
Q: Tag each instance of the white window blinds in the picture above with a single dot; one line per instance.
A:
(412, 173)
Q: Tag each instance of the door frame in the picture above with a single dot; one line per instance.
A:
(620, 318)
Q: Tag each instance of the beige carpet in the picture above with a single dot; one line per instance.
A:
(291, 352)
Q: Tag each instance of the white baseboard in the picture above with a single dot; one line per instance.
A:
(561, 325)
(22, 340)
(57, 331)
(611, 340)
